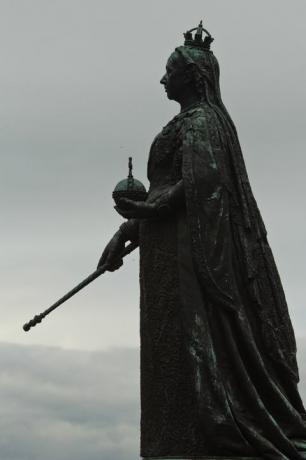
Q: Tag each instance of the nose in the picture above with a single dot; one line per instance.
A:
(163, 80)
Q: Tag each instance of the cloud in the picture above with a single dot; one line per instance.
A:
(63, 405)
(80, 405)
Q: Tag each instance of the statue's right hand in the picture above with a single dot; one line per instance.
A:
(112, 254)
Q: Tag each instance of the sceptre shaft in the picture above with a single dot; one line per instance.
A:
(38, 318)
(127, 188)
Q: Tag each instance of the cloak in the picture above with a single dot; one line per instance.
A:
(218, 355)
(237, 272)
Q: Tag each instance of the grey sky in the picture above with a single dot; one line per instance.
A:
(80, 92)
(64, 405)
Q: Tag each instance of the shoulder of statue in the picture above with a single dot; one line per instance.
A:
(196, 121)
(194, 118)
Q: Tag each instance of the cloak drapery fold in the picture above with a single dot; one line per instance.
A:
(224, 218)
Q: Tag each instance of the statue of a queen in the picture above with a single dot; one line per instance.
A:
(218, 354)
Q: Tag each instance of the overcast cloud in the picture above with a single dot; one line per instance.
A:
(64, 405)
(80, 92)
(73, 405)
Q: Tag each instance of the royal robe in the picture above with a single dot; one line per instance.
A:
(218, 354)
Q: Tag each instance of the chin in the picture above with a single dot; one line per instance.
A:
(172, 96)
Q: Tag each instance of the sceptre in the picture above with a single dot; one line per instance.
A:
(127, 188)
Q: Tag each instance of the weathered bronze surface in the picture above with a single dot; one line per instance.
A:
(218, 354)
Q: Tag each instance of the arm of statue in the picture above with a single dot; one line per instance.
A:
(165, 205)
(112, 254)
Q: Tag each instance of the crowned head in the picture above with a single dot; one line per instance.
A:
(192, 71)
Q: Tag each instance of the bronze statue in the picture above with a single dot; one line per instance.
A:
(218, 354)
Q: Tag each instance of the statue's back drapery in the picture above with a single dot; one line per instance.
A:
(218, 354)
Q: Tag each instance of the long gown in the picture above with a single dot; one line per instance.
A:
(218, 355)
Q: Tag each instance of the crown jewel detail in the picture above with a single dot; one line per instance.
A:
(197, 41)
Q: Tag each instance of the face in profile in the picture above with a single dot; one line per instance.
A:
(175, 79)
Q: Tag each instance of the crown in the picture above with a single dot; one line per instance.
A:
(197, 41)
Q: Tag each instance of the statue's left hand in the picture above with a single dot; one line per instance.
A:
(136, 209)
